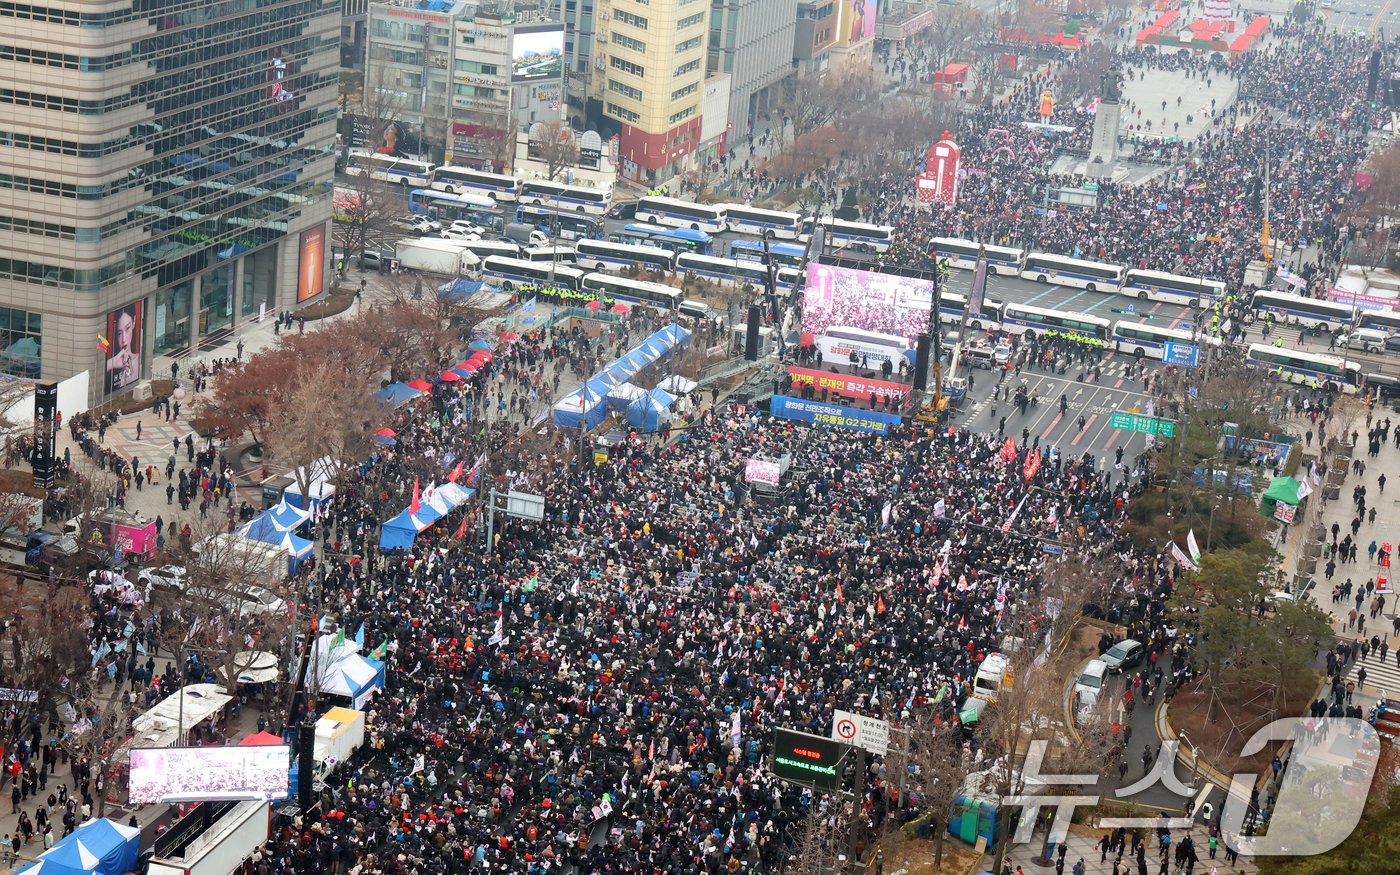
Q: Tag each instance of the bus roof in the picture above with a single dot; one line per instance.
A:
(680, 233)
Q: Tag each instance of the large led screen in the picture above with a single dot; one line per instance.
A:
(862, 299)
(196, 774)
(537, 52)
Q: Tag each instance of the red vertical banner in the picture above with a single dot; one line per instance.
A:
(939, 181)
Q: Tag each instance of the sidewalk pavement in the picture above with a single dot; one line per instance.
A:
(1081, 846)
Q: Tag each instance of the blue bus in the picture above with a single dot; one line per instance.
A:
(568, 226)
(784, 254)
(443, 207)
(675, 239)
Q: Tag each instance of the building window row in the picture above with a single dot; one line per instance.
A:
(628, 67)
(636, 21)
(171, 15)
(627, 42)
(58, 59)
(63, 147)
(690, 21)
(59, 104)
(683, 114)
(21, 342)
(687, 45)
(624, 90)
(687, 67)
(62, 277)
(687, 90)
(626, 115)
(42, 229)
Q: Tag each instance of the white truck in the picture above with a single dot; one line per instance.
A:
(446, 257)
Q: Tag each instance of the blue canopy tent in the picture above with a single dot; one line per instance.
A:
(587, 402)
(98, 847)
(435, 503)
(395, 394)
(460, 288)
(482, 345)
(652, 411)
(281, 517)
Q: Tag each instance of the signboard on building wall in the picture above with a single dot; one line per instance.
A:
(311, 269)
(537, 52)
(122, 344)
(855, 21)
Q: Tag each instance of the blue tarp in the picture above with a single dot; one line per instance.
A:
(652, 411)
(461, 288)
(586, 402)
(481, 345)
(98, 846)
(395, 394)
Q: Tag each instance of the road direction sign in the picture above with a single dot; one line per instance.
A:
(1143, 424)
(1183, 355)
(1130, 308)
(864, 732)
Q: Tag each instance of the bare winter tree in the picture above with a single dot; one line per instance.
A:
(553, 143)
(368, 209)
(953, 33)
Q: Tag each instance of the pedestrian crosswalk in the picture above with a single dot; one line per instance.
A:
(1382, 675)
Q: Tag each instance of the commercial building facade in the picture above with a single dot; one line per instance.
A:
(649, 71)
(165, 172)
(752, 40)
(814, 36)
(463, 79)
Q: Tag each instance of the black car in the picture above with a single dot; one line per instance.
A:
(625, 210)
(1123, 656)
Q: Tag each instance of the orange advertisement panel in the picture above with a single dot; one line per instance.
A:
(311, 270)
(844, 385)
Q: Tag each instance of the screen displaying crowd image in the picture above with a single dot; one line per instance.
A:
(191, 774)
(862, 299)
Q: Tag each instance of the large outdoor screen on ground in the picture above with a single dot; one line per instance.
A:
(196, 774)
(864, 299)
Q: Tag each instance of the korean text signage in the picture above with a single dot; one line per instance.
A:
(1143, 424)
(848, 386)
(807, 759)
(1183, 355)
(864, 732)
(818, 413)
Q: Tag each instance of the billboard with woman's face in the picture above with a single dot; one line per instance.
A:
(124, 347)
(856, 21)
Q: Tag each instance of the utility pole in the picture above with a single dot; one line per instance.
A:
(933, 327)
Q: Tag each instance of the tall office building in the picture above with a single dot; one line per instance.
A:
(648, 73)
(460, 80)
(165, 173)
(752, 41)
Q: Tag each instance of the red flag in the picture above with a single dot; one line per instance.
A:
(462, 529)
(879, 604)
(456, 472)
(415, 505)
(839, 597)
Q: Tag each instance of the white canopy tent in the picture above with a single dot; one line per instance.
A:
(161, 725)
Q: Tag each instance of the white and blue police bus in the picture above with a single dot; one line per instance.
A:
(841, 234)
(1306, 368)
(1043, 267)
(1155, 285)
(510, 273)
(963, 254)
(620, 288)
(1306, 312)
(728, 271)
(1379, 320)
(570, 198)
(408, 172)
(499, 186)
(743, 219)
(783, 254)
(606, 255)
(1142, 339)
(657, 210)
(1024, 319)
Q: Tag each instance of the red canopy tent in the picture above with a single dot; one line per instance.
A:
(420, 384)
(259, 739)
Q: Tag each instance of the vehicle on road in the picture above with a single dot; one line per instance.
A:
(1124, 655)
(1091, 678)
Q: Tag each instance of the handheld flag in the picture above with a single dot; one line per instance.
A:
(416, 504)
(380, 651)
(360, 636)
(104, 344)
(456, 472)
(475, 473)
(880, 604)
(339, 638)
(462, 529)
(1192, 547)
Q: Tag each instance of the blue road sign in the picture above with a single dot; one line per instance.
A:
(1130, 308)
(1181, 354)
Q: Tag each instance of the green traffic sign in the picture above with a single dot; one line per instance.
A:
(1143, 424)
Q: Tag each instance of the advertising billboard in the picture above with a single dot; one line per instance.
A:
(311, 269)
(537, 52)
(198, 774)
(866, 300)
(824, 383)
(856, 21)
(122, 344)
